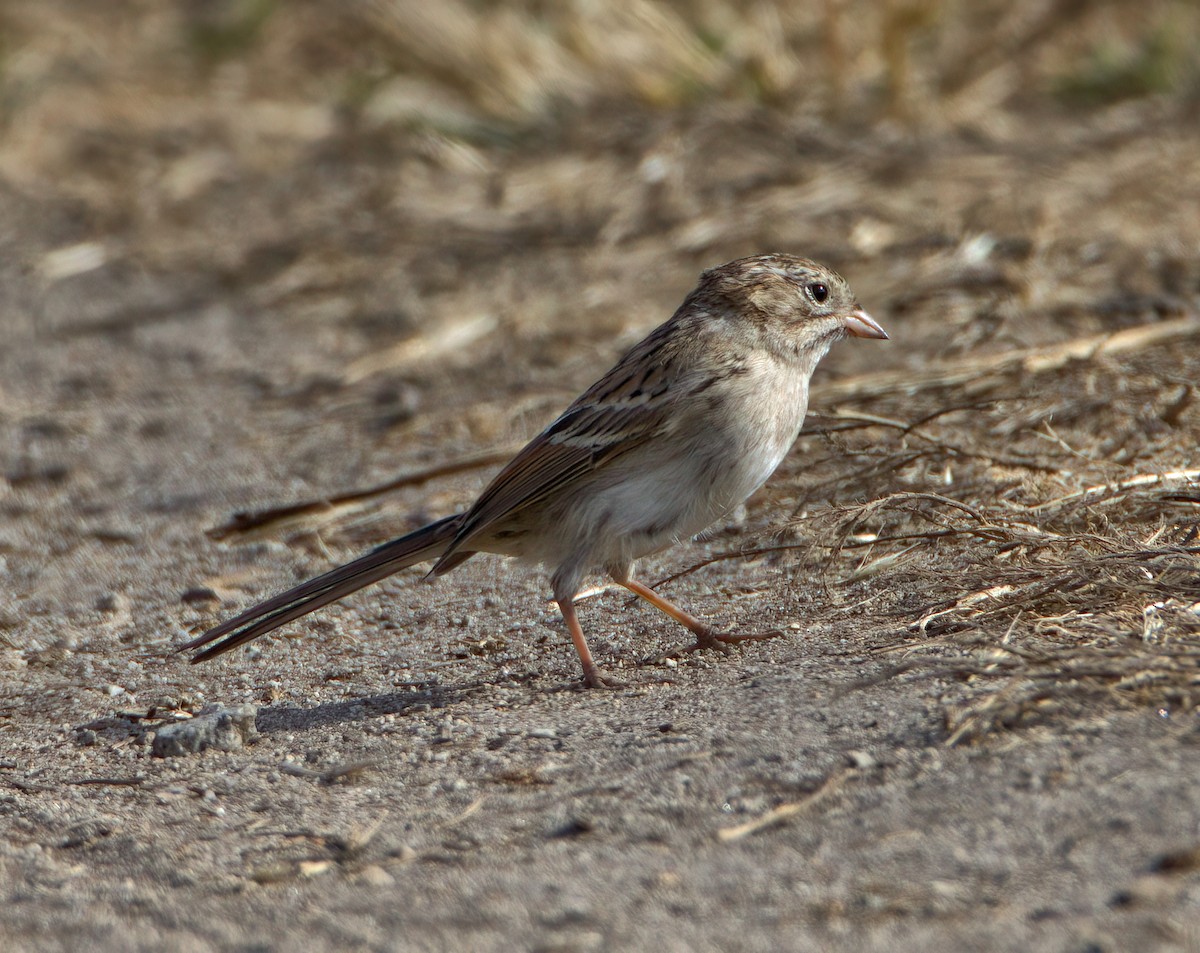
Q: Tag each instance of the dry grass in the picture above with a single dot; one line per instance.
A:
(495, 69)
(1044, 549)
(1012, 186)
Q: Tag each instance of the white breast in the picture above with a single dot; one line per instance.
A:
(704, 467)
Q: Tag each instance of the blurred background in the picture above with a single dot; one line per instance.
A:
(385, 165)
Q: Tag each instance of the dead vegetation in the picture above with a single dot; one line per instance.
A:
(1045, 549)
(307, 272)
(1030, 447)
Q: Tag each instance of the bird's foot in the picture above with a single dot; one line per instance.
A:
(726, 640)
(720, 641)
(596, 677)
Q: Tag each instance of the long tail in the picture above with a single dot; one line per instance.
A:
(418, 546)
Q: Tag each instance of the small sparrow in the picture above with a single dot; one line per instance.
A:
(680, 432)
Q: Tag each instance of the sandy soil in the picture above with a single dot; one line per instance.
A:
(226, 315)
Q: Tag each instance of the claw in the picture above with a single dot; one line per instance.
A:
(750, 637)
(596, 677)
(720, 641)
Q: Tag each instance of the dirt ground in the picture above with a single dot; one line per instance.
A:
(239, 273)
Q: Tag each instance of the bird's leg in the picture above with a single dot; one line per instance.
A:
(593, 675)
(706, 638)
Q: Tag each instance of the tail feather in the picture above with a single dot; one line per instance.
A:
(423, 544)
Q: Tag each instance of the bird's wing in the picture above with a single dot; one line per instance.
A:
(627, 407)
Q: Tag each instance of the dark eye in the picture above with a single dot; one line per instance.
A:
(818, 292)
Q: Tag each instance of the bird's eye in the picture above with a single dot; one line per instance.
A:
(818, 292)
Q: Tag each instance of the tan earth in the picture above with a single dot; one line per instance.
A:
(240, 270)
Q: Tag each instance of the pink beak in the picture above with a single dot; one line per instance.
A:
(862, 325)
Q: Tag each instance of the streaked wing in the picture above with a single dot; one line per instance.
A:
(624, 409)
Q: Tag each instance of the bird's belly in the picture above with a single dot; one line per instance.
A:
(652, 506)
(669, 489)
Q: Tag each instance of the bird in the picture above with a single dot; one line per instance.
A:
(683, 428)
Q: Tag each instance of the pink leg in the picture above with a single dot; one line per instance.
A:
(593, 677)
(706, 638)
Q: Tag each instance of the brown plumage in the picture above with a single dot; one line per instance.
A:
(686, 426)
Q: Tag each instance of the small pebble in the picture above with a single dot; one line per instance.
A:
(376, 876)
(198, 596)
(226, 729)
(111, 602)
(862, 759)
